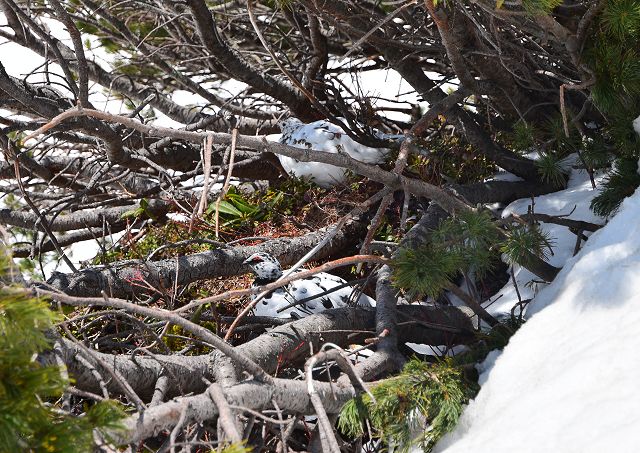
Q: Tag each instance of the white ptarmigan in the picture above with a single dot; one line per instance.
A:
(323, 136)
(268, 270)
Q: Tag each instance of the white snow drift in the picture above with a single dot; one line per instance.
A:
(568, 380)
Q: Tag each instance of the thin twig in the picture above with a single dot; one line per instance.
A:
(225, 187)
(327, 436)
(206, 158)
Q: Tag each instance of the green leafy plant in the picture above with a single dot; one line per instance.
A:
(237, 448)
(236, 209)
(142, 210)
(535, 7)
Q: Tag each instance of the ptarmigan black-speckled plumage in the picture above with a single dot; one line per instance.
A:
(323, 136)
(268, 270)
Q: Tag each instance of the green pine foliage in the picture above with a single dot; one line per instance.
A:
(621, 133)
(426, 270)
(496, 338)
(554, 144)
(620, 183)
(595, 153)
(425, 401)
(555, 134)
(459, 244)
(621, 18)
(618, 80)
(414, 408)
(552, 169)
(613, 53)
(523, 137)
(525, 242)
(29, 419)
(468, 242)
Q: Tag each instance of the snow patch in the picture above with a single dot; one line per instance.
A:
(572, 203)
(567, 380)
(485, 367)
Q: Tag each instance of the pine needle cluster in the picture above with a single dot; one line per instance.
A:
(416, 407)
(425, 401)
(614, 56)
(524, 242)
(620, 183)
(29, 419)
(613, 53)
(469, 242)
(552, 169)
(555, 147)
(523, 137)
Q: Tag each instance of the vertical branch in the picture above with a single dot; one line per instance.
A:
(206, 158)
(319, 56)
(76, 39)
(327, 436)
(225, 188)
(225, 417)
(450, 44)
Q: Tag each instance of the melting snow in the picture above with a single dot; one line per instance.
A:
(567, 380)
(573, 203)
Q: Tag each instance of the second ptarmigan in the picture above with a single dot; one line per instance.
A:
(268, 270)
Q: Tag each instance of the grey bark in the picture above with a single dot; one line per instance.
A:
(81, 219)
(285, 345)
(285, 392)
(119, 280)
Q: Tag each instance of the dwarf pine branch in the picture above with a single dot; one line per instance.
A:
(30, 420)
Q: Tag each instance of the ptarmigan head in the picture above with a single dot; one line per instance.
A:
(265, 266)
(290, 124)
(288, 127)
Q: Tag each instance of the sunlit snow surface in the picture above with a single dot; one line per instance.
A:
(568, 379)
(572, 203)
